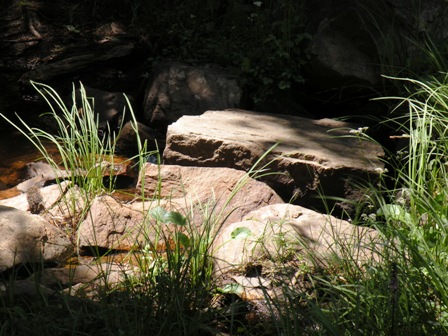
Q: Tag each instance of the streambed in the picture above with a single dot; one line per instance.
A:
(15, 150)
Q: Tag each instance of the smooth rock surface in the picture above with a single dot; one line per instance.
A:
(227, 192)
(112, 225)
(61, 205)
(284, 231)
(28, 238)
(201, 194)
(312, 155)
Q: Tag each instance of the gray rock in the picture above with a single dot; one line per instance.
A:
(38, 173)
(177, 89)
(312, 155)
(27, 238)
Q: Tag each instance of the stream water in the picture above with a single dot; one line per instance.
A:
(15, 149)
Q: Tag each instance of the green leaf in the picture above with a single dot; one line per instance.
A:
(283, 85)
(183, 239)
(175, 218)
(232, 288)
(240, 232)
(158, 213)
(163, 216)
(395, 212)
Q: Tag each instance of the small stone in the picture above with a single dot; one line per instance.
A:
(35, 200)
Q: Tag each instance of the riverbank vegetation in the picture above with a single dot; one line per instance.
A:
(405, 292)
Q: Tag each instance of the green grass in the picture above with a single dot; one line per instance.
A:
(404, 291)
(82, 153)
(172, 290)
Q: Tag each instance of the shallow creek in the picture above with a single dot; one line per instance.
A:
(15, 152)
(15, 149)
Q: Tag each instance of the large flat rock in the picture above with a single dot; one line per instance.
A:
(314, 155)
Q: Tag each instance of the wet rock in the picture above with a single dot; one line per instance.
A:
(313, 156)
(29, 239)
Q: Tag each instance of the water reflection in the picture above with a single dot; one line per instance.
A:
(15, 150)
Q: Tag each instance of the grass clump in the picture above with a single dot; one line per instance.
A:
(85, 154)
(81, 150)
(406, 292)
